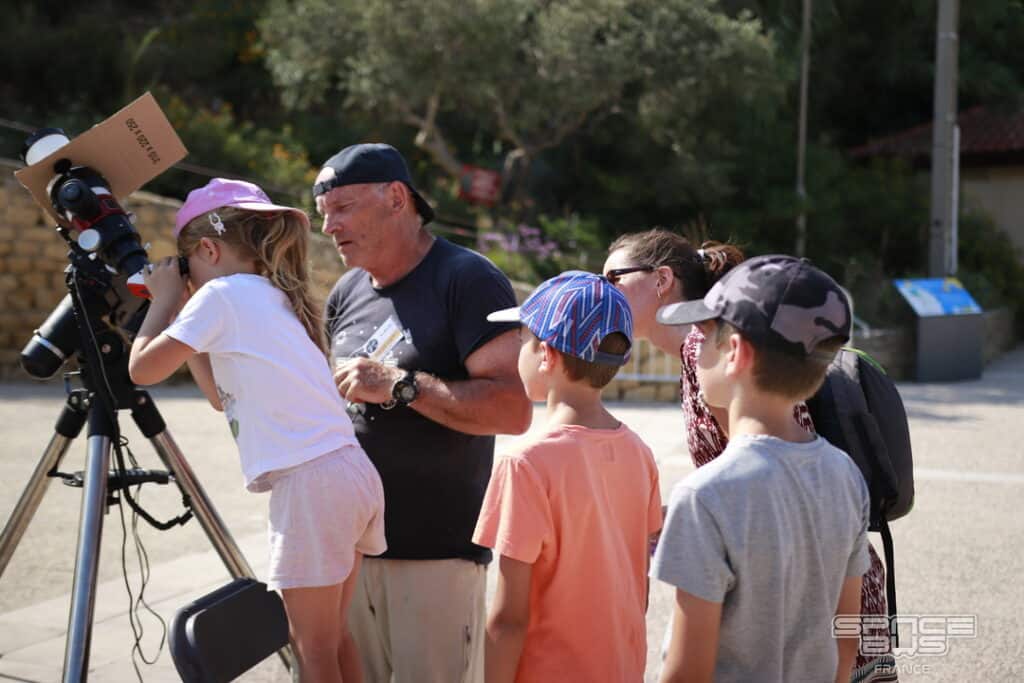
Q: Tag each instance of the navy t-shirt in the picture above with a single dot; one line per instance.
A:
(431, 321)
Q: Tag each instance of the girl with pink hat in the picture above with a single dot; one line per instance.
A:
(246, 324)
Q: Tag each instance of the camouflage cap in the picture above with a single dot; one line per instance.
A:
(780, 302)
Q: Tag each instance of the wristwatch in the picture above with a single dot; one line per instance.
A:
(405, 390)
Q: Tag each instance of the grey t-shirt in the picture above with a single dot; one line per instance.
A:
(770, 529)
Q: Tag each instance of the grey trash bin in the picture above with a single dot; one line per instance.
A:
(949, 330)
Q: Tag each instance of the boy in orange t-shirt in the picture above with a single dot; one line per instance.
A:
(570, 510)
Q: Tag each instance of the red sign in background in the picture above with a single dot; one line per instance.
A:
(479, 185)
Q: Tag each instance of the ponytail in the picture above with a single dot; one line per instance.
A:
(717, 258)
(282, 256)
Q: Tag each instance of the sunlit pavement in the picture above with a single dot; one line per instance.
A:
(959, 553)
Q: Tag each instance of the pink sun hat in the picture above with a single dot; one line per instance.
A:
(221, 192)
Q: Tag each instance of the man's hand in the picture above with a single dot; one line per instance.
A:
(361, 380)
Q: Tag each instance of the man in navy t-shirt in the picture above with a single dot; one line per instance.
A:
(429, 382)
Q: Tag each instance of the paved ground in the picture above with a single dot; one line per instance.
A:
(961, 551)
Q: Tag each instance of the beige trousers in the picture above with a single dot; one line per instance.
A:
(420, 621)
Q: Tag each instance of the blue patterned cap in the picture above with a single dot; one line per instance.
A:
(574, 312)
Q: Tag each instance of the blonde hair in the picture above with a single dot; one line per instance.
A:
(278, 242)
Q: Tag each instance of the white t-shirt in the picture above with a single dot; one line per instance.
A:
(275, 385)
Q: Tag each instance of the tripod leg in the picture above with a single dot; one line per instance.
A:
(94, 500)
(69, 425)
(152, 425)
(203, 509)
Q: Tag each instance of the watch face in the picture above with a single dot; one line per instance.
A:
(406, 392)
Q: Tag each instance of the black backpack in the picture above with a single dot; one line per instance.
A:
(859, 410)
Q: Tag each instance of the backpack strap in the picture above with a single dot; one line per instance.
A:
(890, 581)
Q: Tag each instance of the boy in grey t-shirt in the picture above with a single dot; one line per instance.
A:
(767, 543)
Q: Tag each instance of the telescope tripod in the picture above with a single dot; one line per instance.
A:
(99, 410)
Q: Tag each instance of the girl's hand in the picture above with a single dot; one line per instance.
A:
(164, 281)
(186, 294)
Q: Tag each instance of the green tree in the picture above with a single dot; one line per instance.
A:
(527, 74)
(71, 67)
(872, 61)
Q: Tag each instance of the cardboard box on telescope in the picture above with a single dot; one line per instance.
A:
(129, 149)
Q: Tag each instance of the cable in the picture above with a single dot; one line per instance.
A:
(127, 584)
(134, 604)
(120, 445)
(135, 615)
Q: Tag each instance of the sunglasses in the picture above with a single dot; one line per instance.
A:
(614, 274)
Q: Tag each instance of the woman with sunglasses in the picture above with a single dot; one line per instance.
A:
(659, 267)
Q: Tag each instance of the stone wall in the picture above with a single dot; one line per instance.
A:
(893, 348)
(1000, 333)
(33, 258)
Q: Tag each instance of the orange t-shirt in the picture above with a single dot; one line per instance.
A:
(579, 505)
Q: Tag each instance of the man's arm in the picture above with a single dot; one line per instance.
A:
(694, 646)
(849, 603)
(491, 401)
(507, 622)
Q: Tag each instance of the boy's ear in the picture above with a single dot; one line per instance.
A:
(548, 358)
(739, 355)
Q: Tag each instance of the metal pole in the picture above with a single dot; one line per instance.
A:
(69, 426)
(943, 203)
(209, 519)
(952, 245)
(26, 506)
(801, 145)
(87, 559)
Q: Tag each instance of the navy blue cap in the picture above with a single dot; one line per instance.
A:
(371, 163)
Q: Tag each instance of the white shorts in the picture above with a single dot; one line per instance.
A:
(321, 513)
